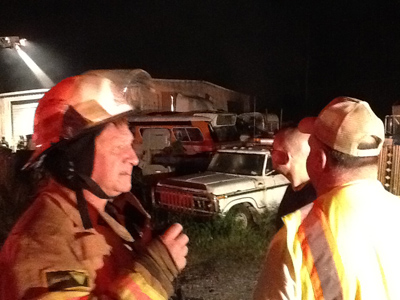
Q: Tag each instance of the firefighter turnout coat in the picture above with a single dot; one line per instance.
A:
(49, 255)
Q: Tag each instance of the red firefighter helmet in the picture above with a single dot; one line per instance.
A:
(74, 106)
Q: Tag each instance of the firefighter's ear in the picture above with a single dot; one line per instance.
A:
(324, 159)
(321, 159)
(280, 157)
(317, 159)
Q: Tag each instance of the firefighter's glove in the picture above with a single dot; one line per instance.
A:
(165, 257)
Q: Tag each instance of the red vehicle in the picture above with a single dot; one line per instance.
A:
(165, 140)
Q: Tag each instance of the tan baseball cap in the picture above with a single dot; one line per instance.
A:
(345, 124)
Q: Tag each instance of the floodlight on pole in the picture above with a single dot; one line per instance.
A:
(12, 41)
(15, 42)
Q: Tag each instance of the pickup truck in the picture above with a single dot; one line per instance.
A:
(239, 181)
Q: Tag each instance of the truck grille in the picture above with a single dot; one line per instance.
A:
(185, 201)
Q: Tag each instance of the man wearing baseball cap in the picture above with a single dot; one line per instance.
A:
(340, 246)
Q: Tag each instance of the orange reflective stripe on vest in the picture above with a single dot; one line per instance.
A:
(317, 243)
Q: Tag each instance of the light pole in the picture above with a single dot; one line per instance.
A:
(17, 108)
(12, 41)
(15, 42)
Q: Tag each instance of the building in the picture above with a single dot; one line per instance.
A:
(176, 95)
(17, 109)
(197, 95)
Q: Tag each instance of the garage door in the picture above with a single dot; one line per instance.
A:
(22, 119)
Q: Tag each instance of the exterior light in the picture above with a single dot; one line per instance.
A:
(11, 41)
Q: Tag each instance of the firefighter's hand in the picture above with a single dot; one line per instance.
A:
(176, 243)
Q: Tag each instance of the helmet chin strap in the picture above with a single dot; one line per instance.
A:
(71, 165)
(89, 184)
(83, 209)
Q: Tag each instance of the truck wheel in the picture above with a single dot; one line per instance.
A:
(241, 215)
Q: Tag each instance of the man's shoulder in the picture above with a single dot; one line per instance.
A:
(296, 218)
(307, 192)
(360, 191)
(294, 200)
(45, 217)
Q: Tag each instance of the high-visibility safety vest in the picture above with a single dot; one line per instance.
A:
(344, 245)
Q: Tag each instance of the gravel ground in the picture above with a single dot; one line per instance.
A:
(220, 280)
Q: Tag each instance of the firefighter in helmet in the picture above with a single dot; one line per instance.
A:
(74, 241)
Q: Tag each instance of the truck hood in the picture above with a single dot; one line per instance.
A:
(216, 183)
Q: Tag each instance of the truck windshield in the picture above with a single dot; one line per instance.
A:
(237, 163)
(225, 133)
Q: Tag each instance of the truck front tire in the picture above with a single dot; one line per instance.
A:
(241, 215)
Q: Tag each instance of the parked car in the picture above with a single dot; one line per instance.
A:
(239, 181)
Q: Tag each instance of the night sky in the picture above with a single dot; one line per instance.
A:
(290, 55)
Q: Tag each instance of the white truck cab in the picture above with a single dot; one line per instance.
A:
(239, 180)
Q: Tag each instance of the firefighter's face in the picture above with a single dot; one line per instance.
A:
(114, 159)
